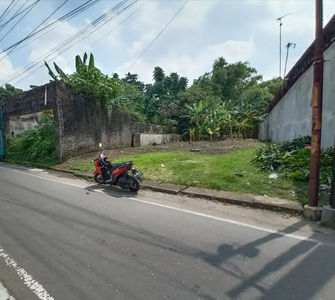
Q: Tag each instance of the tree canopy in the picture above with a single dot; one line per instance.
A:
(8, 91)
(229, 100)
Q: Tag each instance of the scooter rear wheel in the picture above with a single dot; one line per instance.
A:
(135, 185)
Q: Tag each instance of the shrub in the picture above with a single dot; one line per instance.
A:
(269, 157)
(35, 146)
(293, 159)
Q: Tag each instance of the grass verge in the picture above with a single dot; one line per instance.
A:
(228, 172)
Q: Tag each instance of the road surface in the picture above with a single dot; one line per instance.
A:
(61, 238)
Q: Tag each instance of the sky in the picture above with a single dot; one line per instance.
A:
(239, 30)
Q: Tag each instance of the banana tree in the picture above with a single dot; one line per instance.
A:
(197, 113)
(79, 64)
(213, 123)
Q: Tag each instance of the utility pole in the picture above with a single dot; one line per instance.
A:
(316, 104)
(280, 25)
(288, 47)
(332, 192)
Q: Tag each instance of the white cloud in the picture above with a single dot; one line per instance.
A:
(204, 30)
(191, 67)
(154, 16)
(194, 16)
(43, 49)
(6, 67)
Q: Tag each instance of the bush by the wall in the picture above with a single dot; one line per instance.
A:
(294, 159)
(36, 146)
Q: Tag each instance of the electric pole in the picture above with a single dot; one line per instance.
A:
(316, 105)
(280, 25)
(288, 47)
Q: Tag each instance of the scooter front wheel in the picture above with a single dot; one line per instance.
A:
(98, 179)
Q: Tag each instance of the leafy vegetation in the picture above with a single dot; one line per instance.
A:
(8, 91)
(228, 172)
(36, 146)
(88, 79)
(228, 101)
(293, 159)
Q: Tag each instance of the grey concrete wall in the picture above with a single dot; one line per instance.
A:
(32, 101)
(19, 124)
(292, 116)
(83, 123)
(147, 139)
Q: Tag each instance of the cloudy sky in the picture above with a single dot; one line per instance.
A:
(204, 30)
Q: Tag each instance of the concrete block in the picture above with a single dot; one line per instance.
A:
(227, 197)
(312, 213)
(169, 188)
(277, 204)
(150, 184)
(328, 216)
(137, 140)
(86, 175)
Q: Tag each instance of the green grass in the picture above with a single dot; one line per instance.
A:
(228, 172)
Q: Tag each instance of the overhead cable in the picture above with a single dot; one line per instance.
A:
(158, 35)
(35, 3)
(84, 33)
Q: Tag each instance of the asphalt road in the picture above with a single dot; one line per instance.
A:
(62, 240)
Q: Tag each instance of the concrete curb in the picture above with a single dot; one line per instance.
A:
(262, 202)
(250, 200)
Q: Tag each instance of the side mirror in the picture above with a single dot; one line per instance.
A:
(100, 145)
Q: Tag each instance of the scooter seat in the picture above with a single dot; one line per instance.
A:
(121, 165)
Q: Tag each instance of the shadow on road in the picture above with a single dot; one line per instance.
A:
(110, 190)
(313, 264)
(303, 281)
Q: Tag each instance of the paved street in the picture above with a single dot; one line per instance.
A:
(60, 239)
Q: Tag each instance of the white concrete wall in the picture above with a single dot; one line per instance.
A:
(20, 124)
(292, 116)
(158, 139)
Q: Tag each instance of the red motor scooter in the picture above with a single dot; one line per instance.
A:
(116, 174)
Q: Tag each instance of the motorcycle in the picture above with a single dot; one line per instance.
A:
(116, 174)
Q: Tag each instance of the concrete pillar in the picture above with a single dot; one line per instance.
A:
(312, 213)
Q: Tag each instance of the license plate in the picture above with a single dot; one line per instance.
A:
(138, 175)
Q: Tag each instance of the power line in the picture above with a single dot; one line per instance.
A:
(35, 3)
(17, 14)
(3, 15)
(74, 39)
(68, 16)
(10, 11)
(46, 19)
(14, 14)
(166, 26)
(59, 53)
(108, 33)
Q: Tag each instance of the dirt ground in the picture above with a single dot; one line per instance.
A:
(216, 148)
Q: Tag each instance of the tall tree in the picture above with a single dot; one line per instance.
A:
(131, 78)
(230, 80)
(183, 83)
(158, 74)
(272, 85)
